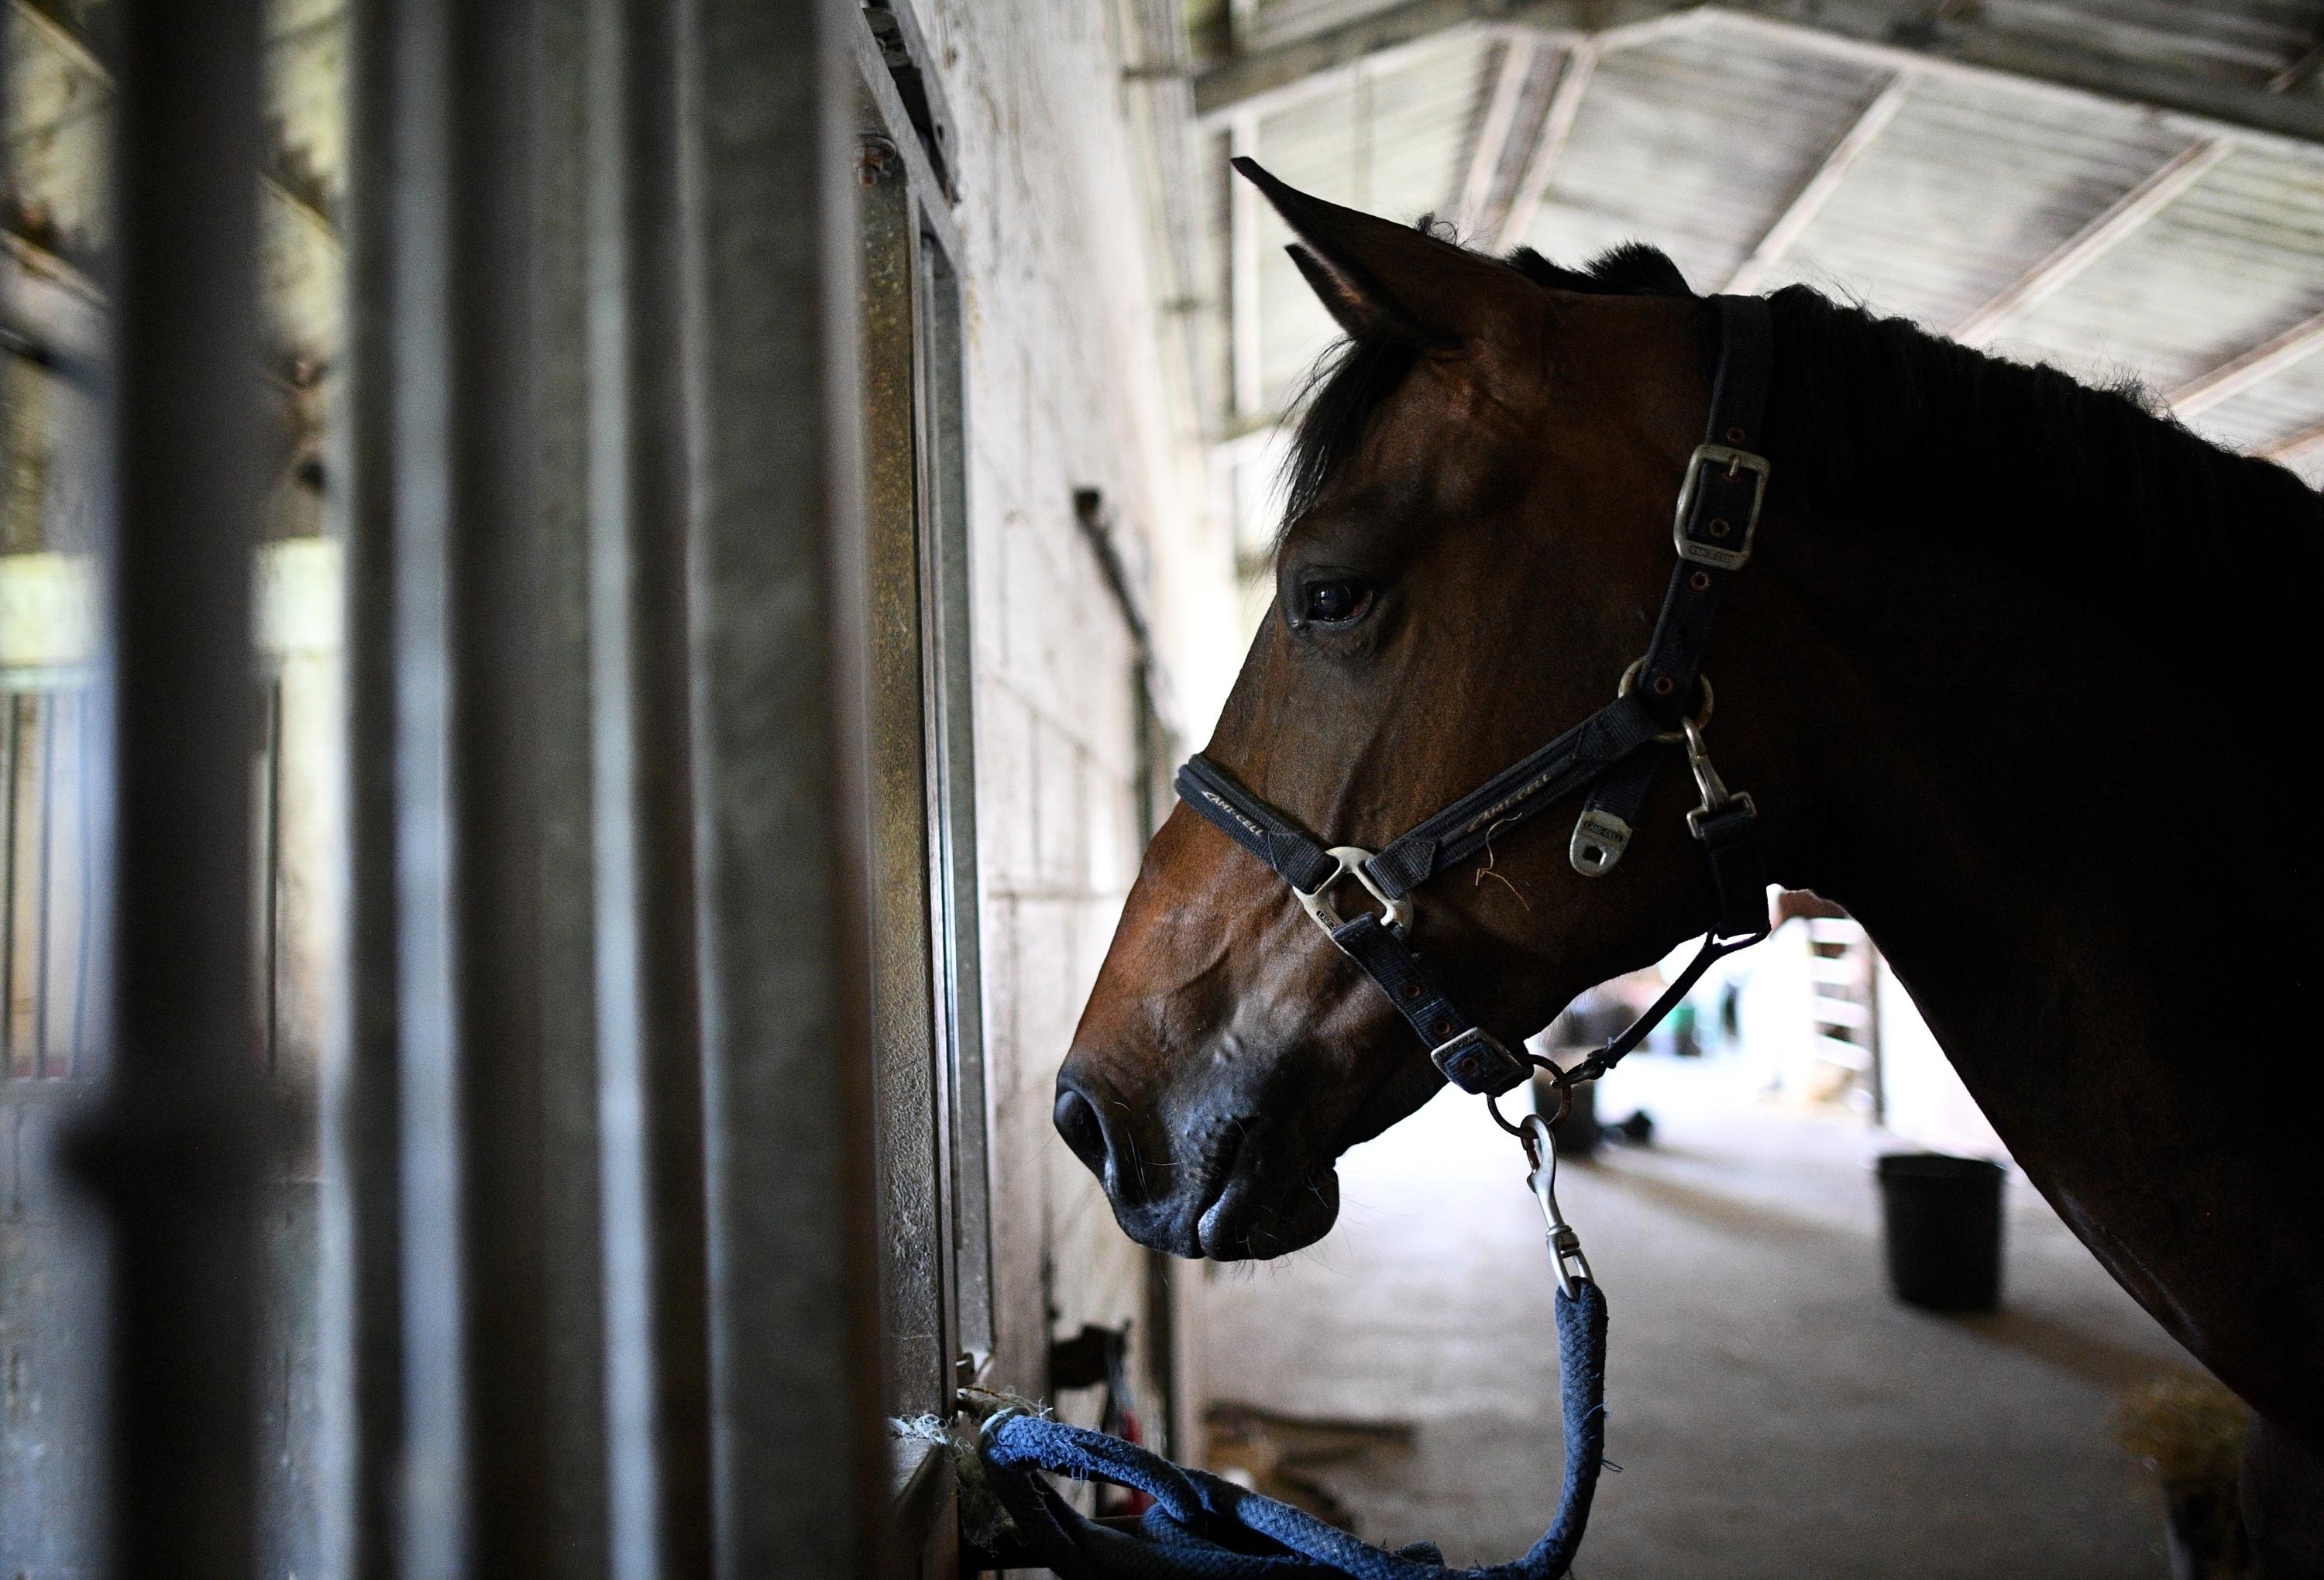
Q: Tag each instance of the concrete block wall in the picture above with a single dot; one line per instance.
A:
(1067, 342)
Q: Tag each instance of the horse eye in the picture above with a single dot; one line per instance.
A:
(1333, 602)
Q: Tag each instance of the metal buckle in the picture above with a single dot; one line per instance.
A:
(1599, 838)
(1706, 457)
(1478, 1062)
(1317, 901)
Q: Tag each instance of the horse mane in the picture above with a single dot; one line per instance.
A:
(1871, 416)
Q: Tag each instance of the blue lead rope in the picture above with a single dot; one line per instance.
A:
(1203, 1525)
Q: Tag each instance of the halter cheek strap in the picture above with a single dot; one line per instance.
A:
(1607, 754)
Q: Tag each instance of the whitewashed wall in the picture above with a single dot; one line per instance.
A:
(1071, 385)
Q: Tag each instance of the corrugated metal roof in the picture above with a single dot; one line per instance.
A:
(1974, 183)
(2248, 41)
(2113, 239)
(1391, 141)
(2235, 259)
(1635, 164)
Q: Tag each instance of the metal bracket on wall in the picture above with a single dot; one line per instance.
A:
(905, 49)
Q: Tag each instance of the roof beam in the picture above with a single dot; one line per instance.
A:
(1495, 134)
(1898, 32)
(2293, 445)
(1818, 188)
(2240, 372)
(1332, 54)
(2108, 231)
(1556, 127)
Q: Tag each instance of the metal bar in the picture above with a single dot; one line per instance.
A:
(778, 595)
(2108, 231)
(913, 1306)
(10, 749)
(269, 881)
(1494, 132)
(2240, 372)
(944, 422)
(360, 1314)
(648, 1022)
(174, 1149)
(478, 1460)
(1556, 127)
(44, 885)
(574, 1243)
(1817, 190)
(89, 911)
(433, 1538)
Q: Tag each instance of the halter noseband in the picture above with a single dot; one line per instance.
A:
(1607, 753)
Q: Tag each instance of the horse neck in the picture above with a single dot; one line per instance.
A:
(2052, 829)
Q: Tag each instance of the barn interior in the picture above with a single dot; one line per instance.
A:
(553, 842)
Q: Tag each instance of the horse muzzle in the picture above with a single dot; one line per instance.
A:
(1222, 1183)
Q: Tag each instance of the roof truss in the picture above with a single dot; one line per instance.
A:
(1900, 32)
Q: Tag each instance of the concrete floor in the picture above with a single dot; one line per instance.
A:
(1775, 1411)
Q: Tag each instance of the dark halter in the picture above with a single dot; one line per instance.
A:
(1607, 754)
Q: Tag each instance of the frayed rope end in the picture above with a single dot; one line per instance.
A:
(983, 1520)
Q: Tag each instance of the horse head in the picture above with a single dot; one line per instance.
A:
(1477, 536)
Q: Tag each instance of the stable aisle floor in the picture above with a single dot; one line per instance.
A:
(1776, 1413)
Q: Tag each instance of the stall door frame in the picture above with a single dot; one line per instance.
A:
(931, 1133)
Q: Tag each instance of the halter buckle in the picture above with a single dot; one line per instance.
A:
(1317, 901)
(1480, 1063)
(1724, 538)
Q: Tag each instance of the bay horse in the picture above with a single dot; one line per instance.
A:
(2019, 675)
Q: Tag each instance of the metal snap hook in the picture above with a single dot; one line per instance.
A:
(1317, 901)
(1564, 1245)
(1716, 797)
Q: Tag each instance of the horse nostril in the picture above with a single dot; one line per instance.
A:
(1085, 1132)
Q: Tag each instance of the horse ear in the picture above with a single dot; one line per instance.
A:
(1377, 276)
(1332, 289)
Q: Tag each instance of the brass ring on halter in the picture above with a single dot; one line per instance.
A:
(1564, 1101)
(1669, 737)
(1557, 1083)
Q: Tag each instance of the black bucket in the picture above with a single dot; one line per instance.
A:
(1944, 1230)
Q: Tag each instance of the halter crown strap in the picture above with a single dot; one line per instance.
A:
(1718, 514)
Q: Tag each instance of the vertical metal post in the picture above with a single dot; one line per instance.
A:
(172, 1149)
(442, 1127)
(574, 1243)
(468, 858)
(648, 1020)
(777, 584)
(361, 1101)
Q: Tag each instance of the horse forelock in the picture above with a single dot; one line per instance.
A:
(1356, 377)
